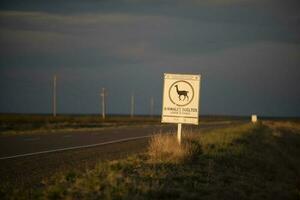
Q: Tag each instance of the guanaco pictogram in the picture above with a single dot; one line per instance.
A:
(183, 93)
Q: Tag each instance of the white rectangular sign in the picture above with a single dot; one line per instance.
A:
(181, 99)
(254, 118)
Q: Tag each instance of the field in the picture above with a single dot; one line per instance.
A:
(246, 161)
(16, 123)
(19, 124)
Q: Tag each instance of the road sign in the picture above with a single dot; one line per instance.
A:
(181, 98)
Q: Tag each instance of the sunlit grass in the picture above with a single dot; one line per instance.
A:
(166, 148)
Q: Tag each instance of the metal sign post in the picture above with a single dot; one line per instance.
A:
(181, 100)
(179, 133)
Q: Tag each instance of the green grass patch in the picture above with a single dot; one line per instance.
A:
(244, 162)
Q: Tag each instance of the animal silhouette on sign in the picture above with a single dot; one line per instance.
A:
(182, 93)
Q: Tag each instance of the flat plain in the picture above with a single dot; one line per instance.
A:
(228, 159)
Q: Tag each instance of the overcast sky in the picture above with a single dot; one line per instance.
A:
(247, 51)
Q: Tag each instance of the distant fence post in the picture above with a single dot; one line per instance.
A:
(254, 118)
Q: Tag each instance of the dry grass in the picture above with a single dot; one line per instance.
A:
(293, 126)
(166, 148)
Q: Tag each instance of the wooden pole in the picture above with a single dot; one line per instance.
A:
(54, 96)
(151, 107)
(132, 106)
(103, 102)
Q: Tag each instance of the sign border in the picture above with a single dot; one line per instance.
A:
(189, 100)
(182, 117)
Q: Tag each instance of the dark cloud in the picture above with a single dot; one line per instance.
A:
(247, 51)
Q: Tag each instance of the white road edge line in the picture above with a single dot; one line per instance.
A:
(76, 147)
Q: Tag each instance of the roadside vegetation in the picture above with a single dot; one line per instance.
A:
(248, 161)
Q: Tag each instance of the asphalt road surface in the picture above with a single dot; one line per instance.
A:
(13, 146)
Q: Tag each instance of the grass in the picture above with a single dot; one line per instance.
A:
(166, 149)
(244, 162)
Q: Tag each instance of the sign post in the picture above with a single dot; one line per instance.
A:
(179, 132)
(181, 100)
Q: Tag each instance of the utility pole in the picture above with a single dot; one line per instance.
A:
(132, 106)
(54, 96)
(151, 107)
(103, 94)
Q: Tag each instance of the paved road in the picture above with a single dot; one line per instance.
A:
(30, 171)
(22, 145)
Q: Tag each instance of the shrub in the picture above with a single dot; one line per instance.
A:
(166, 148)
